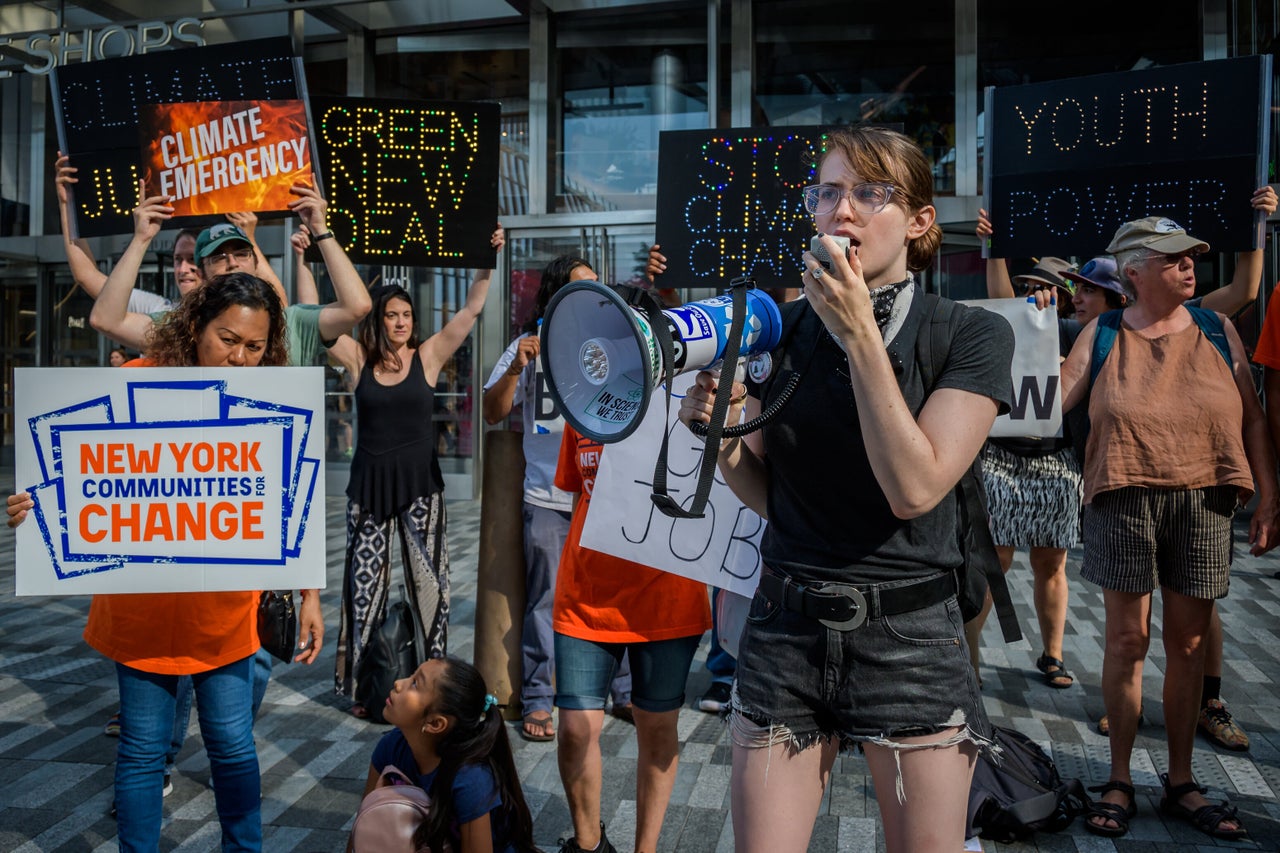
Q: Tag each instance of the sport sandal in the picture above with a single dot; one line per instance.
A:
(1118, 814)
(1208, 818)
(1054, 670)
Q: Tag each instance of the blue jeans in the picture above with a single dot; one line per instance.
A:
(223, 702)
(720, 663)
(262, 662)
(584, 669)
(544, 534)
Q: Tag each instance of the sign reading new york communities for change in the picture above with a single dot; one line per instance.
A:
(1069, 161)
(412, 183)
(98, 109)
(729, 204)
(170, 479)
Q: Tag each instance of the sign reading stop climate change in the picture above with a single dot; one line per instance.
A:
(170, 479)
(1069, 161)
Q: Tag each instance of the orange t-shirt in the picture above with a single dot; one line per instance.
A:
(606, 598)
(173, 633)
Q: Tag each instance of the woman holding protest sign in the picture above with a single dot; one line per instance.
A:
(855, 635)
(157, 638)
(396, 482)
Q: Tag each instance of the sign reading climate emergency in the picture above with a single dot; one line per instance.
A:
(226, 156)
(170, 480)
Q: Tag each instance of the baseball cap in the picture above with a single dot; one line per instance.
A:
(1049, 271)
(1100, 272)
(213, 237)
(1157, 233)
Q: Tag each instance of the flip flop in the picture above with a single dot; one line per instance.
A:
(543, 721)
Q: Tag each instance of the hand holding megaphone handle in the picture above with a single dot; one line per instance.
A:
(665, 503)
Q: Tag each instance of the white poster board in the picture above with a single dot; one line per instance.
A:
(720, 549)
(1037, 392)
(170, 479)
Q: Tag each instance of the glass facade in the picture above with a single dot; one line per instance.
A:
(585, 94)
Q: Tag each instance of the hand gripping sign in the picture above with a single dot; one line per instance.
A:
(170, 480)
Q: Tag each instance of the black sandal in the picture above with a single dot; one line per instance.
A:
(1054, 669)
(1208, 818)
(1111, 811)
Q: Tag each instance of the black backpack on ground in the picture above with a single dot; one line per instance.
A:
(394, 651)
(1019, 792)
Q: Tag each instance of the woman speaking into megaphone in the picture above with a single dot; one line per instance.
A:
(855, 635)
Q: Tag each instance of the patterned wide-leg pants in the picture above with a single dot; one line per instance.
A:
(366, 580)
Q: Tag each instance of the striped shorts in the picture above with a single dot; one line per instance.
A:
(1137, 538)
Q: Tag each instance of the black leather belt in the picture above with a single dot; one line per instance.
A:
(843, 607)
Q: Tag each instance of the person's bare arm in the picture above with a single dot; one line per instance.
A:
(84, 267)
(352, 301)
(999, 285)
(247, 221)
(441, 346)
(1264, 526)
(1244, 285)
(304, 281)
(310, 627)
(499, 398)
(110, 314)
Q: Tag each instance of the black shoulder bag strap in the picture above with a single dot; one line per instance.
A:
(724, 390)
(933, 348)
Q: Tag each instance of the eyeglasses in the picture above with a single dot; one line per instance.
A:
(1175, 259)
(223, 259)
(868, 199)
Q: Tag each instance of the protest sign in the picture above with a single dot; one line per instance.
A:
(1069, 161)
(97, 111)
(721, 549)
(225, 156)
(1037, 396)
(729, 203)
(170, 479)
(414, 182)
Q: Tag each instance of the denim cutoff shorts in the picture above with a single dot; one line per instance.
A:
(893, 676)
(659, 669)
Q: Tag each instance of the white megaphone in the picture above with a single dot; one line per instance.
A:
(603, 362)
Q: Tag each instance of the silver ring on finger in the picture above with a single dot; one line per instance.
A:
(817, 273)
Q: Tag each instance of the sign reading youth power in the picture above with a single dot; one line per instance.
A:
(1069, 161)
(99, 106)
(225, 156)
(170, 479)
(729, 203)
(410, 182)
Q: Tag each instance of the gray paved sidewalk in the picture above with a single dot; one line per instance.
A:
(56, 766)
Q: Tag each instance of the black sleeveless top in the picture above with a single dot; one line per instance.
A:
(395, 460)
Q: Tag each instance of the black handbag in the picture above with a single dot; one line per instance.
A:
(278, 624)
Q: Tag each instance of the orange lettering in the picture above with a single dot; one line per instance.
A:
(158, 523)
(125, 515)
(91, 459)
(223, 529)
(252, 521)
(190, 524)
(115, 459)
(86, 533)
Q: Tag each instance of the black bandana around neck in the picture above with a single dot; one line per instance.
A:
(882, 300)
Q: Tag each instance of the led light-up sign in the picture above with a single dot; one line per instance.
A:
(99, 107)
(729, 204)
(410, 182)
(1071, 160)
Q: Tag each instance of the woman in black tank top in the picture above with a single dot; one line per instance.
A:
(395, 483)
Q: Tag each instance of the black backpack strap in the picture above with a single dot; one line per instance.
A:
(933, 346)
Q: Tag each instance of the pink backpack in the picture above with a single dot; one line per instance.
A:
(390, 814)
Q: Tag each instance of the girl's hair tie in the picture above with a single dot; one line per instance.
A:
(489, 701)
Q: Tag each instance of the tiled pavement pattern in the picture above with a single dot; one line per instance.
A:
(56, 765)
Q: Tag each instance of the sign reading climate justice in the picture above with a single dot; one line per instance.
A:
(222, 157)
(411, 181)
(170, 479)
(1069, 161)
(729, 203)
(100, 106)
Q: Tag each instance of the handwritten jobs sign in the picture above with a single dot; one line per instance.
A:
(98, 108)
(411, 181)
(729, 203)
(721, 549)
(170, 480)
(1069, 161)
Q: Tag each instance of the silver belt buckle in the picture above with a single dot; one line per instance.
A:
(859, 602)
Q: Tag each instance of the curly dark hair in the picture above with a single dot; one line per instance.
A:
(174, 340)
(378, 348)
(554, 277)
(477, 736)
